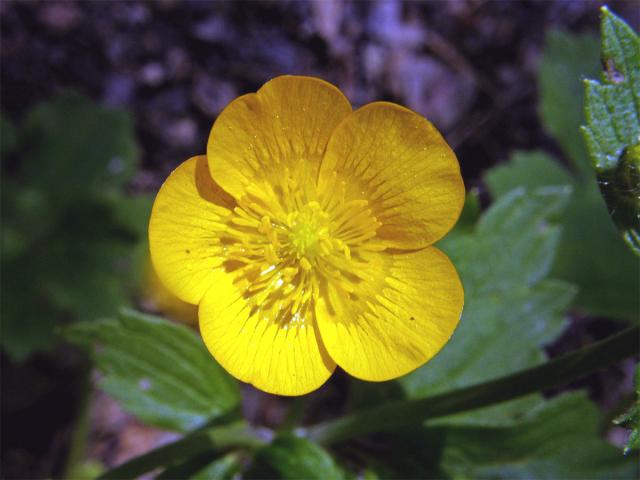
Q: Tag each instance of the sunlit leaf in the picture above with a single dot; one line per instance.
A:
(159, 371)
(526, 169)
(612, 132)
(591, 254)
(512, 307)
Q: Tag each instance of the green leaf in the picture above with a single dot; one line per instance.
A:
(566, 60)
(620, 45)
(363, 395)
(526, 169)
(511, 307)
(132, 213)
(205, 466)
(557, 439)
(560, 439)
(82, 262)
(397, 415)
(75, 148)
(27, 217)
(293, 458)
(69, 231)
(160, 371)
(221, 469)
(612, 132)
(87, 470)
(469, 215)
(631, 419)
(28, 321)
(55, 277)
(76, 267)
(591, 254)
(217, 439)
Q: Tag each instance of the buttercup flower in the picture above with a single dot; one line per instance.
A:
(305, 233)
(158, 298)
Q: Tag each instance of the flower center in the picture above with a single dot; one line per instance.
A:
(285, 246)
(308, 229)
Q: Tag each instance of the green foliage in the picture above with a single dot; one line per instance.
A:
(205, 466)
(556, 439)
(159, 371)
(509, 312)
(69, 230)
(526, 169)
(566, 60)
(221, 469)
(88, 470)
(592, 256)
(559, 439)
(292, 458)
(631, 419)
(521, 263)
(612, 132)
(529, 437)
(469, 215)
(74, 148)
(590, 253)
(404, 419)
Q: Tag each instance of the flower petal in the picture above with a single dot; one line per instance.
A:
(284, 127)
(397, 319)
(398, 162)
(284, 357)
(161, 300)
(189, 212)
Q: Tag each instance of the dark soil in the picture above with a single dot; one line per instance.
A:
(469, 66)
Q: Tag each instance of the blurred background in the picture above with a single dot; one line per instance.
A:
(101, 100)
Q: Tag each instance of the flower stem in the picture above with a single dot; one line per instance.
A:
(217, 438)
(556, 372)
(398, 414)
(81, 425)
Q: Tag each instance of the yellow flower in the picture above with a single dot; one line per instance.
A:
(157, 298)
(305, 237)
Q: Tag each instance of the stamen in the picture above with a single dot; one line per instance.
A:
(284, 239)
